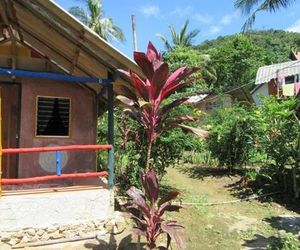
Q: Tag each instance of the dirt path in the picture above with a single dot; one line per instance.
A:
(244, 225)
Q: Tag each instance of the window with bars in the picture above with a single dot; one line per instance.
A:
(53, 116)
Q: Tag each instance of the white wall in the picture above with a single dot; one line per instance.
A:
(57, 208)
(262, 91)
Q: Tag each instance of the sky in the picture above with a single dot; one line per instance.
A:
(212, 17)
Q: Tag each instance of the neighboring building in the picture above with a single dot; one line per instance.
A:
(209, 102)
(281, 80)
(55, 79)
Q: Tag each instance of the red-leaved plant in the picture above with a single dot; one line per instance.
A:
(147, 211)
(146, 103)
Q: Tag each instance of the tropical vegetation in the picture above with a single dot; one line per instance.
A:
(93, 17)
(252, 7)
(183, 38)
(266, 136)
(149, 107)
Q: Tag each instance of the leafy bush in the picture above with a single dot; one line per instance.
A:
(288, 242)
(267, 134)
(130, 147)
(231, 136)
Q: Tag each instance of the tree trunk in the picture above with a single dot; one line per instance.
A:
(295, 186)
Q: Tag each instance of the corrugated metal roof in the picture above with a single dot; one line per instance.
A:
(266, 73)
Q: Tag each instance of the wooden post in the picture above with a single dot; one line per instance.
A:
(110, 96)
(0, 142)
(133, 22)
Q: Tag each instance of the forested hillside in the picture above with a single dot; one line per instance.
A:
(277, 42)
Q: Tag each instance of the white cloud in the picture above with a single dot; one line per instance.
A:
(214, 30)
(203, 18)
(227, 19)
(182, 12)
(295, 27)
(150, 10)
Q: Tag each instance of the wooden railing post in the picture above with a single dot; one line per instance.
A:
(0, 142)
(111, 176)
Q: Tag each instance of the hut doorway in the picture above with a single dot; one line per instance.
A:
(10, 125)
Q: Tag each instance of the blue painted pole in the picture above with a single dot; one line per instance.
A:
(111, 160)
(54, 76)
(58, 162)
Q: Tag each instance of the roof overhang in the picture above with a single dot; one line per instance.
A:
(269, 72)
(62, 40)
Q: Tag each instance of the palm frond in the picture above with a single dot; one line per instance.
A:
(80, 14)
(165, 40)
(182, 37)
(267, 5)
(94, 18)
(246, 6)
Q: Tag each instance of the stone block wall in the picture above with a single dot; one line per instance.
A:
(33, 217)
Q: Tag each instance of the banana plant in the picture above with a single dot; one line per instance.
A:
(147, 102)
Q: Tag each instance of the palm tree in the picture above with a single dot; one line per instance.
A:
(247, 7)
(93, 17)
(183, 38)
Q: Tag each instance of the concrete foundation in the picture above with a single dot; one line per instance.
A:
(44, 210)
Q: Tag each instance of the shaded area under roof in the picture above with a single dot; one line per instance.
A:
(267, 73)
(61, 39)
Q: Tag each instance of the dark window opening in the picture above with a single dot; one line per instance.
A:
(290, 79)
(53, 116)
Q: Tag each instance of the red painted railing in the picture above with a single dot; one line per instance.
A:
(58, 176)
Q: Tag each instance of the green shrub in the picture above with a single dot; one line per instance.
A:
(231, 136)
(287, 242)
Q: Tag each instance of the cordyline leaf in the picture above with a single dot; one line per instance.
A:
(150, 184)
(126, 100)
(133, 210)
(137, 196)
(168, 197)
(140, 85)
(168, 208)
(175, 75)
(174, 81)
(159, 79)
(171, 231)
(125, 91)
(171, 105)
(174, 121)
(140, 223)
(142, 103)
(134, 115)
(178, 75)
(153, 56)
(152, 53)
(139, 232)
(174, 224)
(197, 131)
(146, 66)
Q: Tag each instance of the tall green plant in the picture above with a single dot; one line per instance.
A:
(278, 133)
(231, 136)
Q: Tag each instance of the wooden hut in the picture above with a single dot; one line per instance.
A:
(56, 77)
